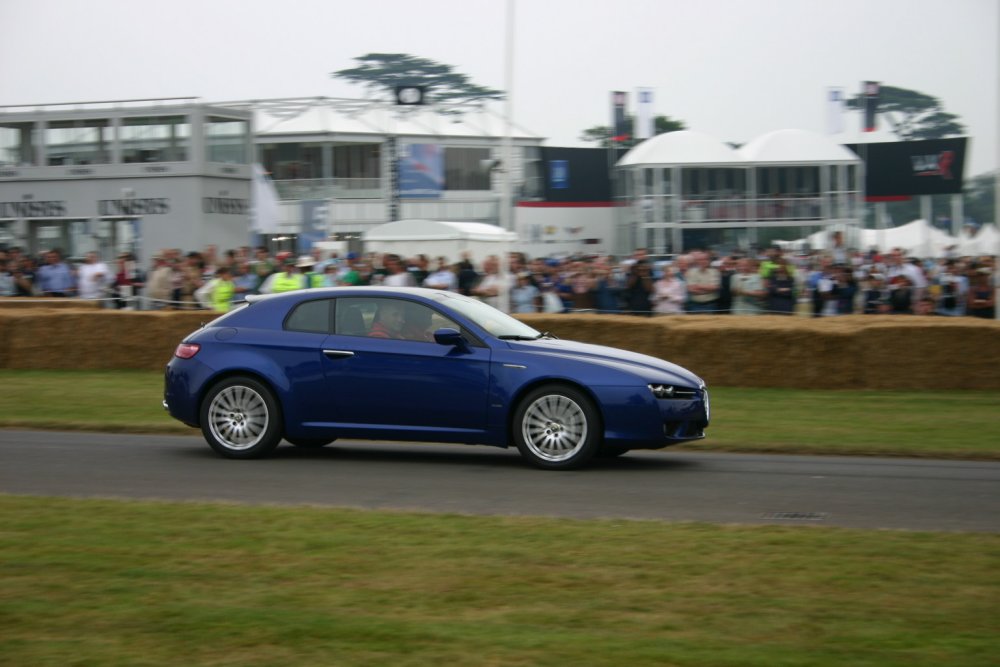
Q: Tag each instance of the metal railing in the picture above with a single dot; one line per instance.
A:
(329, 188)
(762, 209)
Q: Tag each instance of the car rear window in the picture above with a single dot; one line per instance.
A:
(312, 316)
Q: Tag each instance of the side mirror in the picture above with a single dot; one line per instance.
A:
(448, 336)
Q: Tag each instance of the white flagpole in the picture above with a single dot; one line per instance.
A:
(507, 159)
(996, 192)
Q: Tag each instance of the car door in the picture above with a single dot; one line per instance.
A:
(406, 384)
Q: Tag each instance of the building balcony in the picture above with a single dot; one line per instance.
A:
(329, 188)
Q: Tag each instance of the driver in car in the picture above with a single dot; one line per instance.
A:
(388, 321)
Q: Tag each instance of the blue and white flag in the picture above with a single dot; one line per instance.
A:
(644, 125)
(265, 207)
(835, 110)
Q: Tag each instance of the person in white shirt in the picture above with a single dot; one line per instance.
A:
(398, 275)
(94, 278)
(898, 266)
(491, 284)
(444, 278)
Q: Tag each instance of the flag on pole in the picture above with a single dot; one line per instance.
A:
(644, 114)
(835, 110)
(869, 98)
(265, 211)
(619, 129)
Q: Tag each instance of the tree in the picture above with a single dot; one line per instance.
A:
(913, 115)
(980, 192)
(602, 133)
(384, 71)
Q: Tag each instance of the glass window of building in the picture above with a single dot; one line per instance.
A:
(16, 145)
(84, 141)
(291, 161)
(155, 139)
(463, 169)
(226, 140)
(357, 161)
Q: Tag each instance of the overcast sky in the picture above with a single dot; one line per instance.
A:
(734, 69)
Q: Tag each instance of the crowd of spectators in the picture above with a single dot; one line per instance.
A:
(819, 284)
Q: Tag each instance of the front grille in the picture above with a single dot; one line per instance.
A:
(669, 391)
(684, 430)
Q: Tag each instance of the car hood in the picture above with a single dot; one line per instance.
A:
(650, 368)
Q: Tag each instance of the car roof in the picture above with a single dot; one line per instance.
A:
(314, 292)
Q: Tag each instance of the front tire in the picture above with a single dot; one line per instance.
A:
(309, 443)
(241, 419)
(557, 427)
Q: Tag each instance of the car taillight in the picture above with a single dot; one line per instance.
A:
(186, 350)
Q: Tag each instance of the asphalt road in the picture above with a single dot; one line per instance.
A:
(852, 492)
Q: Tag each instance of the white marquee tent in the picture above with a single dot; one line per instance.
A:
(917, 238)
(437, 238)
(984, 242)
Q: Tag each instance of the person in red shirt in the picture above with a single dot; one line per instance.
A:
(388, 321)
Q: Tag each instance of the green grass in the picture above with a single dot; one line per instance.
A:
(947, 424)
(95, 582)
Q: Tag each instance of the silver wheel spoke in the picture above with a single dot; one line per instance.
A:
(554, 427)
(238, 417)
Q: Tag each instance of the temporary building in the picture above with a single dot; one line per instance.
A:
(986, 241)
(917, 239)
(439, 238)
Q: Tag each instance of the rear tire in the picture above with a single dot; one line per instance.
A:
(557, 427)
(241, 419)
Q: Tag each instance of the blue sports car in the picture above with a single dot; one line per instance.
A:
(417, 364)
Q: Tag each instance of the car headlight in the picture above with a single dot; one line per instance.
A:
(668, 391)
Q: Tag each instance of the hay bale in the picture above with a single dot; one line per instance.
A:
(931, 353)
(47, 302)
(95, 340)
(852, 352)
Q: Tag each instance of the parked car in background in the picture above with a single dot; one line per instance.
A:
(375, 363)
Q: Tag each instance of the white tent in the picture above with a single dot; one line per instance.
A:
(437, 238)
(983, 242)
(917, 239)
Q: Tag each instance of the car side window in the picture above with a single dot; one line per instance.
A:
(395, 319)
(354, 316)
(311, 316)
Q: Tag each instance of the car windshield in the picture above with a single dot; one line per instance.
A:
(489, 318)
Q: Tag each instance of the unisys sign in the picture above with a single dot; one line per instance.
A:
(912, 168)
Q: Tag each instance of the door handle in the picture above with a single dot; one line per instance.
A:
(337, 354)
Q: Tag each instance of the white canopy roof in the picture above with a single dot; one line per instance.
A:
(359, 120)
(438, 230)
(437, 238)
(795, 147)
(986, 241)
(689, 148)
(917, 238)
(684, 147)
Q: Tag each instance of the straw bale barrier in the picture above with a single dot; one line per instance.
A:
(851, 352)
(48, 302)
(92, 339)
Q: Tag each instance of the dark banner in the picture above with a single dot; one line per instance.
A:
(576, 174)
(870, 100)
(910, 168)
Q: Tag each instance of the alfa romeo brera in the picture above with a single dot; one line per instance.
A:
(416, 364)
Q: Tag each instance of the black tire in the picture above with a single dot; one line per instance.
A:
(557, 427)
(309, 443)
(241, 419)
